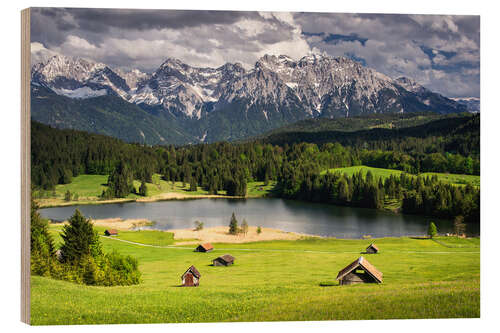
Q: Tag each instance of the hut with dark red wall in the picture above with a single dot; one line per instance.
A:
(191, 278)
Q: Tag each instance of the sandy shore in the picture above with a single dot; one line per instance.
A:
(220, 235)
(118, 223)
(121, 224)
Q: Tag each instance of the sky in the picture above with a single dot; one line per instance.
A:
(440, 52)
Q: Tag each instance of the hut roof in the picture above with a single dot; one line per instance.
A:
(363, 263)
(193, 271)
(207, 246)
(373, 246)
(226, 258)
(112, 231)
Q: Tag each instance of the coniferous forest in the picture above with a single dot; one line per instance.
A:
(295, 159)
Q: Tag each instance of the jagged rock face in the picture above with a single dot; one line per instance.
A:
(278, 87)
(78, 78)
(323, 84)
(133, 78)
(182, 89)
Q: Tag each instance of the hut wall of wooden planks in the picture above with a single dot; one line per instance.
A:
(224, 260)
(191, 278)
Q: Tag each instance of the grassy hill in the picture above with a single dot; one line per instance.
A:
(385, 173)
(276, 280)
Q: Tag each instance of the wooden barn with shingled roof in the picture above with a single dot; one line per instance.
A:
(359, 271)
(111, 232)
(372, 248)
(207, 247)
(224, 260)
(191, 278)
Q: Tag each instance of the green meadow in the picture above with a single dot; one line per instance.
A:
(386, 173)
(271, 281)
(88, 188)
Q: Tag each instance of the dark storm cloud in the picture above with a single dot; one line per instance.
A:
(133, 19)
(441, 52)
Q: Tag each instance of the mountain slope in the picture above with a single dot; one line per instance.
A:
(196, 104)
(109, 115)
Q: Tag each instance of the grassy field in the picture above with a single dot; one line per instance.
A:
(89, 188)
(275, 280)
(385, 173)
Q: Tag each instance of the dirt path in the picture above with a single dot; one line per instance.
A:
(275, 250)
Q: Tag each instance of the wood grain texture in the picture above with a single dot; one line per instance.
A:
(25, 164)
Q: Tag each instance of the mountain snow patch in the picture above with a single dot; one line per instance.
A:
(81, 93)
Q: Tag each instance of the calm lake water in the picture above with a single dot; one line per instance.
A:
(288, 215)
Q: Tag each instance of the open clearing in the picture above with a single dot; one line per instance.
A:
(89, 188)
(270, 281)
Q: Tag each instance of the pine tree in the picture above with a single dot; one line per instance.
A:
(459, 225)
(67, 196)
(193, 185)
(42, 244)
(233, 225)
(79, 239)
(143, 189)
(432, 231)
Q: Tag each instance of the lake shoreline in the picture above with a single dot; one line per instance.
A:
(164, 197)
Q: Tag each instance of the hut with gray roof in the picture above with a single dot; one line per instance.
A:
(359, 271)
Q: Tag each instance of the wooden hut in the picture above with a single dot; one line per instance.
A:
(191, 278)
(111, 232)
(372, 248)
(224, 260)
(360, 271)
(207, 247)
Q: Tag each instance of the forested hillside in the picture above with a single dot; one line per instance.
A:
(443, 145)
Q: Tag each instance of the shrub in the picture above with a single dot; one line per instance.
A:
(198, 225)
(259, 230)
(244, 227)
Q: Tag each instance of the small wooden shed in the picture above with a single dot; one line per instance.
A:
(372, 248)
(224, 260)
(359, 271)
(207, 247)
(191, 278)
(111, 232)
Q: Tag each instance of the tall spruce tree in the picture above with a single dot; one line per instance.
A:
(233, 225)
(79, 239)
(143, 189)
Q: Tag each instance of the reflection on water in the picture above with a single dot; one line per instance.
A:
(288, 215)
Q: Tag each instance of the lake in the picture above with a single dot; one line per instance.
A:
(288, 215)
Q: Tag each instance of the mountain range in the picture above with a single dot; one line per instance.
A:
(180, 104)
